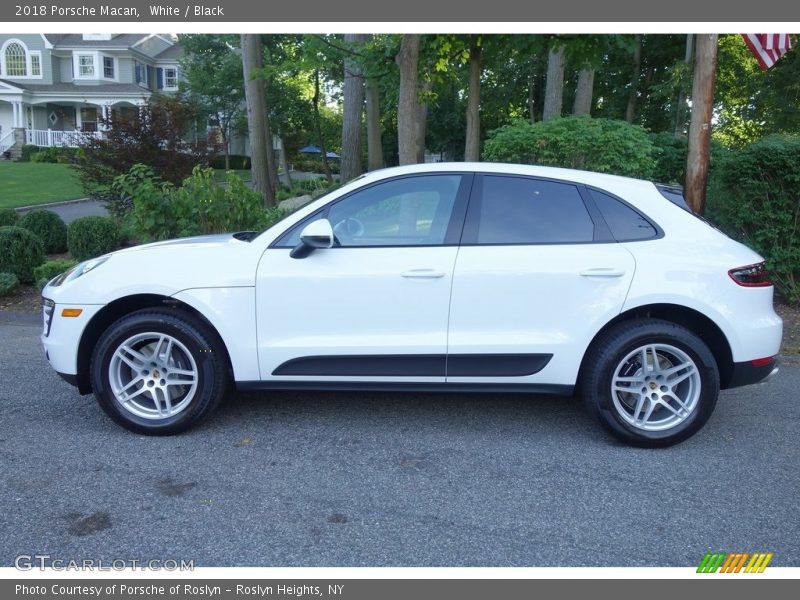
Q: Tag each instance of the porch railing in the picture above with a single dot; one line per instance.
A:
(6, 141)
(50, 137)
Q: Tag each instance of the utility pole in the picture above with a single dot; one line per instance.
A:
(700, 125)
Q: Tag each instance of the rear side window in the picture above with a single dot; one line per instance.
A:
(520, 210)
(624, 222)
(674, 195)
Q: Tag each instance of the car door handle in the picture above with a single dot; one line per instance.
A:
(603, 272)
(422, 274)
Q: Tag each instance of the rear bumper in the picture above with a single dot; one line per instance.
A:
(746, 373)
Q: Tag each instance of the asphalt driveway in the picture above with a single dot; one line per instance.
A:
(342, 479)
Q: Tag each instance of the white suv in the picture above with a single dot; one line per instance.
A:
(453, 277)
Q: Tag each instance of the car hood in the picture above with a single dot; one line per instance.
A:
(201, 241)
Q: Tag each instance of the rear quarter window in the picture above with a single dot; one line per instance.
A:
(626, 223)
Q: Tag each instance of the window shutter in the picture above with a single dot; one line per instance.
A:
(160, 77)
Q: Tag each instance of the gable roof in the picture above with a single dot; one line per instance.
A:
(174, 52)
(69, 40)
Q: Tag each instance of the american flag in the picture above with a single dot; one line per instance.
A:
(767, 47)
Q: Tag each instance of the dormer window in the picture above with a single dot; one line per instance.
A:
(108, 67)
(17, 61)
(86, 65)
(170, 78)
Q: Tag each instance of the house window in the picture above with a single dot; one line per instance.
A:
(108, 67)
(170, 78)
(89, 118)
(141, 73)
(16, 60)
(85, 65)
(36, 65)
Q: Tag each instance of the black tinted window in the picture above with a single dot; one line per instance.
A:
(674, 195)
(519, 210)
(624, 222)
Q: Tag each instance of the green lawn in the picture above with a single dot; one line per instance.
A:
(24, 184)
(219, 174)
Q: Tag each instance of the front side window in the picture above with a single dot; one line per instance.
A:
(85, 65)
(16, 60)
(36, 65)
(412, 211)
(523, 210)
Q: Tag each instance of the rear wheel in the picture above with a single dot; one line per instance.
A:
(651, 382)
(157, 372)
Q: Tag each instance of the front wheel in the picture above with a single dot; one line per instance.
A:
(157, 372)
(652, 383)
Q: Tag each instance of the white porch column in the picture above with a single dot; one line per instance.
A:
(15, 114)
(78, 122)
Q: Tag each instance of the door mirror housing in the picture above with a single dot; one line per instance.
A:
(317, 234)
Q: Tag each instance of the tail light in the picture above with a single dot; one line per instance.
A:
(751, 275)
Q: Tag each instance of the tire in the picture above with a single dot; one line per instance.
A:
(159, 355)
(682, 389)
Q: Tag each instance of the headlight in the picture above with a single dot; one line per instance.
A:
(78, 270)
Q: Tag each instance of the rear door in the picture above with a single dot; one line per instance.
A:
(537, 275)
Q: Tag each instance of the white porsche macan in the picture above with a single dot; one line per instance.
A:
(453, 277)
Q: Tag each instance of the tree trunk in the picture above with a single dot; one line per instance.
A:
(584, 92)
(255, 97)
(352, 110)
(532, 95)
(374, 142)
(705, 68)
(422, 122)
(472, 148)
(285, 164)
(408, 101)
(554, 88)
(318, 130)
(680, 110)
(633, 94)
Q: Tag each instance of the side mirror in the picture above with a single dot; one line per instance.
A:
(317, 234)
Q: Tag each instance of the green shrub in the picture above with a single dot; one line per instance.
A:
(45, 155)
(28, 150)
(45, 272)
(88, 237)
(755, 197)
(20, 252)
(199, 206)
(8, 216)
(603, 145)
(49, 227)
(8, 283)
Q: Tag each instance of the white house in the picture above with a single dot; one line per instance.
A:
(55, 87)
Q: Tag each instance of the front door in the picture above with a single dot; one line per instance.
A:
(375, 306)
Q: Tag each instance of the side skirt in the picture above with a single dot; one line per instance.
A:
(391, 386)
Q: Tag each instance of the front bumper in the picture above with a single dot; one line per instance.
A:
(61, 336)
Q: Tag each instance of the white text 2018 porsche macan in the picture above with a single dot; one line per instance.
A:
(454, 277)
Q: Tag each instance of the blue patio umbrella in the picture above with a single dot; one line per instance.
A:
(332, 155)
(310, 150)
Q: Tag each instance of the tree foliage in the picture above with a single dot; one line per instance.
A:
(158, 134)
(602, 145)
